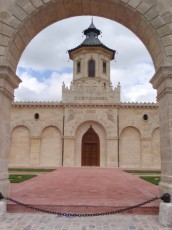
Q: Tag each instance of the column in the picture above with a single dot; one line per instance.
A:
(8, 82)
(162, 81)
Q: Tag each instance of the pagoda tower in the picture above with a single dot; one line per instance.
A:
(91, 72)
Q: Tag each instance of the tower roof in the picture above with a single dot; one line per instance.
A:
(92, 40)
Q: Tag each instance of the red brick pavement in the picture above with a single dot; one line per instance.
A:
(85, 190)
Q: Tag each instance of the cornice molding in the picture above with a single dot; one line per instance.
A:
(70, 105)
(37, 104)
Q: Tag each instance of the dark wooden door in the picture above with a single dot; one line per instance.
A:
(90, 148)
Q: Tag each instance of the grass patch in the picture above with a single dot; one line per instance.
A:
(29, 170)
(17, 178)
(152, 179)
(143, 171)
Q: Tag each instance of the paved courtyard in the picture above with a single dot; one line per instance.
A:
(85, 190)
(75, 190)
(38, 221)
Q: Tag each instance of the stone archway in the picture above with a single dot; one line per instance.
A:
(150, 20)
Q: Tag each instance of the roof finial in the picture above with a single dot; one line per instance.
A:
(92, 19)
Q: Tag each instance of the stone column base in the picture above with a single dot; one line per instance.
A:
(3, 207)
(165, 214)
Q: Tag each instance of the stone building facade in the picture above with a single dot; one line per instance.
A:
(90, 126)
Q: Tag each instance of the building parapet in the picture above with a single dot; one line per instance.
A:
(90, 91)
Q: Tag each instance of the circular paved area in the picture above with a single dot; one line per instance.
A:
(50, 222)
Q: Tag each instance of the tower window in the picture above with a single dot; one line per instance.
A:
(78, 67)
(104, 67)
(91, 68)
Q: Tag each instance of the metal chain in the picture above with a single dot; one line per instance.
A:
(80, 215)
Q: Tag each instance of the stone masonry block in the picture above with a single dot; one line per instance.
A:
(169, 60)
(167, 40)
(134, 3)
(86, 6)
(36, 22)
(95, 7)
(125, 1)
(14, 50)
(2, 50)
(6, 29)
(30, 28)
(142, 8)
(165, 214)
(14, 22)
(37, 3)
(142, 28)
(147, 35)
(4, 40)
(165, 30)
(152, 13)
(168, 50)
(46, 1)
(51, 11)
(1, 60)
(157, 22)
(19, 42)
(60, 10)
(18, 12)
(104, 8)
(44, 17)
(24, 35)
(26, 5)
(3, 208)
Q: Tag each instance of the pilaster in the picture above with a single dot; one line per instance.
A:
(146, 152)
(35, 151)
(8, 82)
(112, 152)
(162, 81)
(69, 158)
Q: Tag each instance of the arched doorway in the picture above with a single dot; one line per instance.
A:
(90, 148)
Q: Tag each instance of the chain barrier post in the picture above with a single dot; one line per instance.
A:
(166, 197)
(3, 206)
(1, 196)
(165, 211)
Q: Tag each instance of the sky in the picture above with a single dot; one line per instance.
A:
(45, 65)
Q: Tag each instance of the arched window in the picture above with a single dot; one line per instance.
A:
(91, 68)
(78, 67)
(104, 67)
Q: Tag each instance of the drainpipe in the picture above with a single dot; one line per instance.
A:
(63, 141)
(118, 138)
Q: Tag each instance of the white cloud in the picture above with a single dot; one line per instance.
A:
(47, 90)
(134, 82)
(47, 51)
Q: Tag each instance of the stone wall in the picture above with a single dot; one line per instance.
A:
(122, 131)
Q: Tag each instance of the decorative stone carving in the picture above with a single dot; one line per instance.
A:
(4, 15)
(110, 115)
(71, 115)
